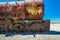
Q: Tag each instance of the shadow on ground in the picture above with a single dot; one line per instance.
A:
(30, 33)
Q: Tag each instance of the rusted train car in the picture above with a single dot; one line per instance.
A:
(12, 17)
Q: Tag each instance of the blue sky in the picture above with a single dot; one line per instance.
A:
(51, 9)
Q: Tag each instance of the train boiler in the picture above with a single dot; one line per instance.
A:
(23, 16)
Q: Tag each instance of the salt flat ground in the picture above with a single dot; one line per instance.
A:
(54, 34)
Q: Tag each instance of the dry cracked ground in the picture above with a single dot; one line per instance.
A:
(54, 34)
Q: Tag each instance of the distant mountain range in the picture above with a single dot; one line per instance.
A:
(55, 22)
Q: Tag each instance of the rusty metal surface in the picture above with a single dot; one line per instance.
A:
(33, 10)
(12, 17)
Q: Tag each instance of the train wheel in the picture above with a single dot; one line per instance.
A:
(36, 26)
(8, 25)
(18, 28)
